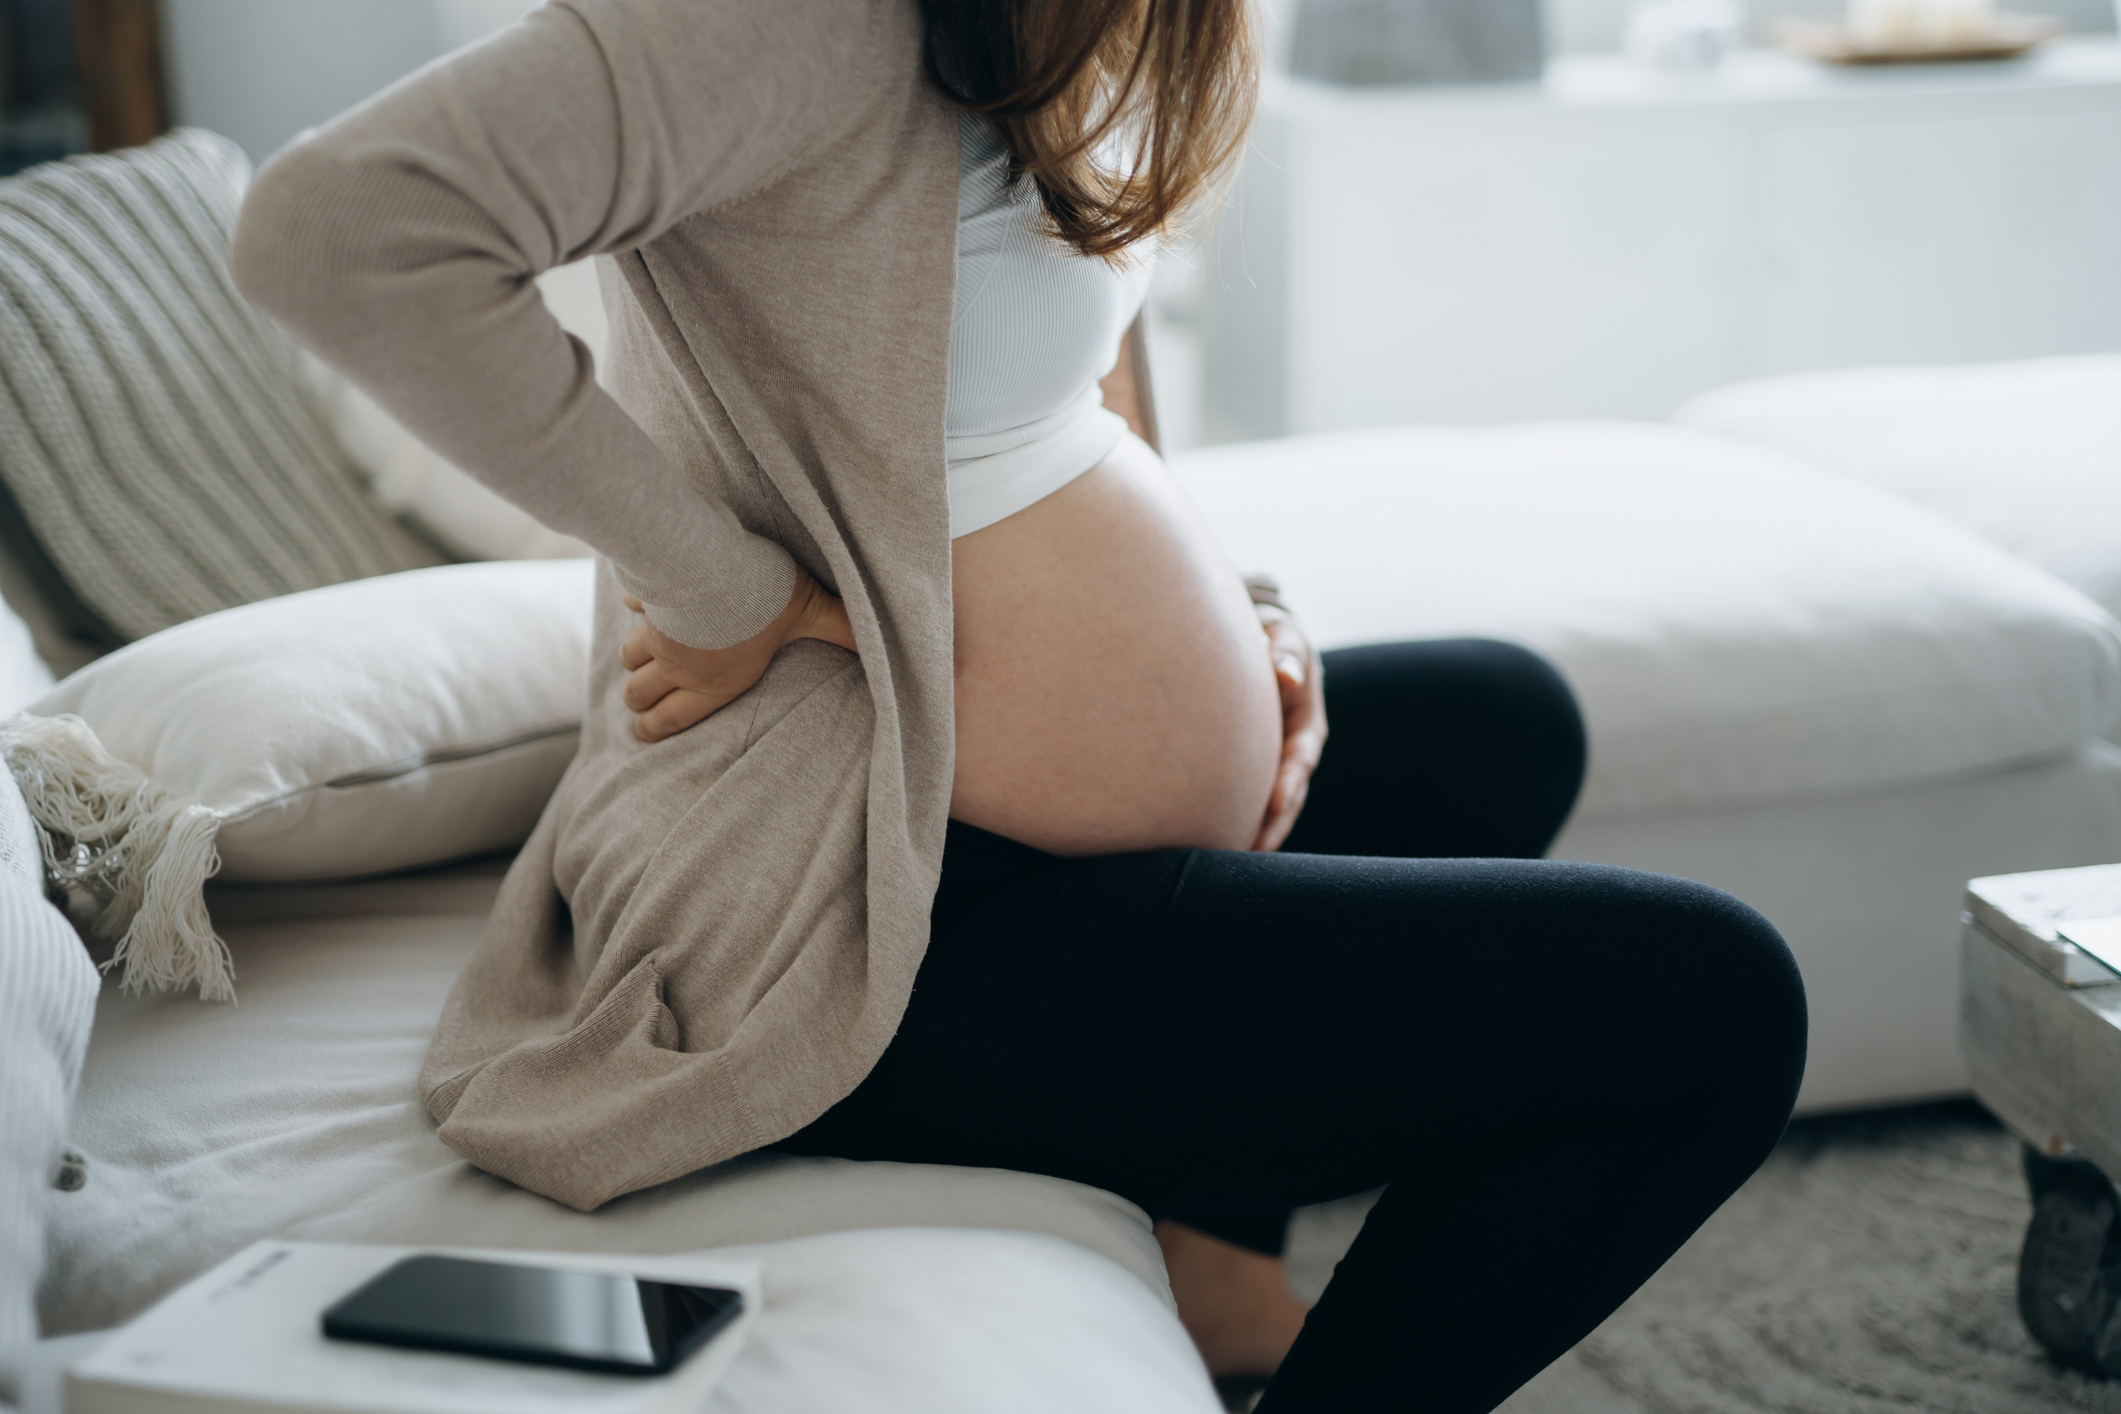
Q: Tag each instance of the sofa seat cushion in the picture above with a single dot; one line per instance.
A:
(1737, 625)
(2025, 454)
(295, 1115)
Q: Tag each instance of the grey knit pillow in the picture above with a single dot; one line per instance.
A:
(158, 442)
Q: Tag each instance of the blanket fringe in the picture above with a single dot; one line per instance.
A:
(108, 828)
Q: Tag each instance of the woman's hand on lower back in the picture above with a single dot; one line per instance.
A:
(672, 686)
(1302, 680)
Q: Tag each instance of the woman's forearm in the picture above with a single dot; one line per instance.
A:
(401, 243)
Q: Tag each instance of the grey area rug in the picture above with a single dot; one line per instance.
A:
(1870, 1266)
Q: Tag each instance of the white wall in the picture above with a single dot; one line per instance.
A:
(261, 71)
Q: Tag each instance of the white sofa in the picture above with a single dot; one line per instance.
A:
(292, 1114)
(1822, 696)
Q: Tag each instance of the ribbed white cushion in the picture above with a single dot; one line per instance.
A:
(21, 853)
(2026, 454)
(47, 1002)
(1738, 625)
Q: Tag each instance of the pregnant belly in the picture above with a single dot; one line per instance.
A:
(1113, 687)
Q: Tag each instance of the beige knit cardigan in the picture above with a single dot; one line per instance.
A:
(707, 942)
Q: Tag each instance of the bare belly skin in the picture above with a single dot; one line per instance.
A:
(1114, 691)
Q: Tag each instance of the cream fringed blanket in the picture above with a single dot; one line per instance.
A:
(141, 852)
(707, 942)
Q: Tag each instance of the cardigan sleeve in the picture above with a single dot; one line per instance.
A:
(400, 243)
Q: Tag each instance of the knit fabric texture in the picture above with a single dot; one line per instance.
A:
(157, 441)
(708, 941)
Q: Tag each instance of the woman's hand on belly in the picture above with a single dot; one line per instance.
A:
(1302, 680)
(1114, 688)
(672, 686)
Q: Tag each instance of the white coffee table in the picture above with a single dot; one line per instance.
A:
(2040, 1024)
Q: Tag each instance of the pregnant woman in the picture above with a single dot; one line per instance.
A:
(937, 764)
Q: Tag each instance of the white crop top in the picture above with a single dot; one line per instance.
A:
(1036, 326)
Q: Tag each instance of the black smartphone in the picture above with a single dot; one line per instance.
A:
(618, 1324)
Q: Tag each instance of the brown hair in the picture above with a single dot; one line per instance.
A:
(1172, 81)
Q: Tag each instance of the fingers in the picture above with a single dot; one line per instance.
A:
(1308, 741)
(674, 713)
(648, 685)
(638, 648)
(1295, 669)
(1278, 832)
(1292, 786)
(670, 687)
(1289, 677)
(1298, 673)
(635, 605)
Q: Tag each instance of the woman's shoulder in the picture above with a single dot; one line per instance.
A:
(811, 60)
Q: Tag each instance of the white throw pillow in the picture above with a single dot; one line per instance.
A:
(355, 730)
(2027, 455)
(452, 508)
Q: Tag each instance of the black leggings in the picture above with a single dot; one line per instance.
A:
(1558, 1070)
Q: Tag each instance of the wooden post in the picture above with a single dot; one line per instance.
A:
(118, 54)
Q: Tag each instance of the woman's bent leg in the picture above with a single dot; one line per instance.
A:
(1445, 749)
(1453, 749)
(1559, 1070)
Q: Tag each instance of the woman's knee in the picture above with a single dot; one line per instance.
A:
(1695, 984)
(1457, 747)
(1743, 998)
(1482, 678)
(1525, 708)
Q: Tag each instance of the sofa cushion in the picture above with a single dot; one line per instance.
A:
(365, 728)
(156, 438)
(47, 1001)
(295, 1115)
(2025, 454)
(389, 724)
(1737, 625)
